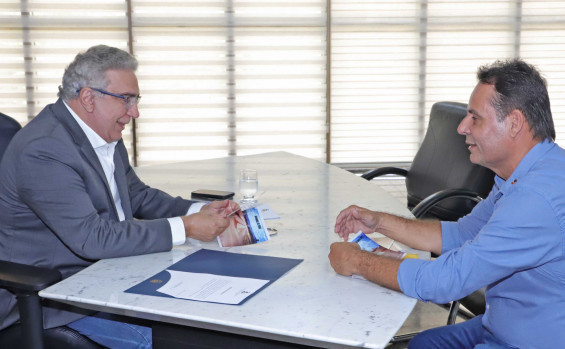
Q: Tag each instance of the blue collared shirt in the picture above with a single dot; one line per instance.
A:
(514, 243)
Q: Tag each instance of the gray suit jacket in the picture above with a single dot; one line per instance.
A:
(57, 211)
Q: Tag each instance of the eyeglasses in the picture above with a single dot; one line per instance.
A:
(128, 100)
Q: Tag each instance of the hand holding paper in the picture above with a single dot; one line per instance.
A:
(210, 222)
(244, 229)
(368, 244)
(344, 258)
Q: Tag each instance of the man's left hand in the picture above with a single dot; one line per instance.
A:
(224, 207)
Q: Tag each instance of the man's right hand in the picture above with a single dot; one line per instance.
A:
(210, 221)
(355, 218)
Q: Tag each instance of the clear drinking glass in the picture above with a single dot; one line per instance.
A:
(248, 185)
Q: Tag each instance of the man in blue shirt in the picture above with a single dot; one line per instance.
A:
(513, 242)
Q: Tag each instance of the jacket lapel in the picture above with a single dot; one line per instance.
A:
(121, 181)
(62, 114)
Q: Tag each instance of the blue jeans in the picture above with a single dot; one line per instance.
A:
(106, 330)
(468, 334)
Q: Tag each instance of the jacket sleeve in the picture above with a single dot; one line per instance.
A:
(58, 183)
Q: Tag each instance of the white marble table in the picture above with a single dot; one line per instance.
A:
(310, 305)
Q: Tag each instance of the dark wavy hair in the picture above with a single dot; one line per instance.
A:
(519, 85)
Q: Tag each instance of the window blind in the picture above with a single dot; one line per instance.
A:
(542, 42)
(375, 55)
(391, 60)
(230, 78)
(236, 77)
(40, 38)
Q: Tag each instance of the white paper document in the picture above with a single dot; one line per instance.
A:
(210, 287)
(267, 212)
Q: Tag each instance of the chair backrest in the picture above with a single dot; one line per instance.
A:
(442, 162)
(8, 128)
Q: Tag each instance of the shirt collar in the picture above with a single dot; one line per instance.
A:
(95, 140)
(523, 168)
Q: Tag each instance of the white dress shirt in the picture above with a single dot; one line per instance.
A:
(105, 153)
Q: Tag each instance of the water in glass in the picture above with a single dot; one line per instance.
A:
(248, 185)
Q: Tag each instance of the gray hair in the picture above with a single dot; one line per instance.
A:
(89, 69)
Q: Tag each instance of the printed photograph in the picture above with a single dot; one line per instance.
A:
(244, 229)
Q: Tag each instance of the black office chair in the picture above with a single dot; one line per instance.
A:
(442, 183)
(442, 163)
(25, 281)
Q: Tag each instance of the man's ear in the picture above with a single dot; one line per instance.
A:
(517, 122)
(86, 99)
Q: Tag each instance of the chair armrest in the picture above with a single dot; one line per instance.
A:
(26, 281)
(25, 278)
(475, 303)
(384, 171)
(422, 208)
(454, 309)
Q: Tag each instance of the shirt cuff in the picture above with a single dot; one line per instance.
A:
(177, 230)
(408, 275)
(177, 226)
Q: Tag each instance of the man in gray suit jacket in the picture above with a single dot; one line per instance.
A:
(68, 195)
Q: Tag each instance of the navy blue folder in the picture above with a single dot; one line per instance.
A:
(220, 263)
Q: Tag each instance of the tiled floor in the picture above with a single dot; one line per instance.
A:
(424, 315)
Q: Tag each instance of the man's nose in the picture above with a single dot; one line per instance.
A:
(463, 128)
(133, 111)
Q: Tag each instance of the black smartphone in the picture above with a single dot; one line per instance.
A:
(210, 195)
